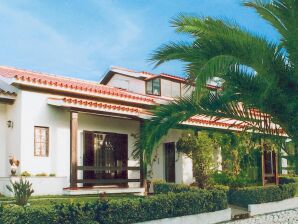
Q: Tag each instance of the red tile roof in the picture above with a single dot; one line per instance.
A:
(176, 78)
(43, 80)
(92, 104)
(164, 75)
(209, 122)
(58, 82)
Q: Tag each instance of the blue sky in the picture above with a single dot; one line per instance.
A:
(82, 38)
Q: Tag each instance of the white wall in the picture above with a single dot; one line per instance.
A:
(183, 166)
(170, 88)
(129, 83)
(13, 135)
(36, 112)
(202, 218)
(40, 185)
(31, 109)
(3, 129)
(186, 90)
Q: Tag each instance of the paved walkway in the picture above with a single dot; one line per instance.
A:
(284, 217)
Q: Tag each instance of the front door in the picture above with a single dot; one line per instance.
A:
(107, 153)
(270, 174)
(170, 174)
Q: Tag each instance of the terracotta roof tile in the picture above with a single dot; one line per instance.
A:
(58, 82)
(100, 105)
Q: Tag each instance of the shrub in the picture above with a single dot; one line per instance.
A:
(27, 215)
(52, 175)
(200, 149)
(120, 211)
(259, 194)
(161, 187)
(223, 188)
(288, 179)
(22, 190)
(160, 206)
(232, 181)
(41, 175)
(73, 213)
(25, 174)
(285, 179)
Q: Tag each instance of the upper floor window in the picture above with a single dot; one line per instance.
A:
(41, 141)
(153, 87)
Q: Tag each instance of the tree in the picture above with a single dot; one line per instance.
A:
(260, 77)
(200, 148)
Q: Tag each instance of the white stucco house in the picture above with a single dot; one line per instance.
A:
(83, 132)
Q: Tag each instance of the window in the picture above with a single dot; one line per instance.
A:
(153, 87)
(41, 141)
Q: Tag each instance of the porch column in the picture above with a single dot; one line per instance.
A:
(143, 169)
(73, 148)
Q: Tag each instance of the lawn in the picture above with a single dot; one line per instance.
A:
(49, 200)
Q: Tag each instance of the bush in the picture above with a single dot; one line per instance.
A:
(22, 190)
(232, 181)
(74, 213)
(160, 206)
(41, 175)
(21, 215)
(259, 194)
(120, 211)
(200, 149)
(223, 188)
(25, 174)
(162, 187)
(288, 179)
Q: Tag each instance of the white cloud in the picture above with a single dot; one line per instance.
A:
(28, 42)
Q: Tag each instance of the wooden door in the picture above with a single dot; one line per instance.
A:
(170, 173)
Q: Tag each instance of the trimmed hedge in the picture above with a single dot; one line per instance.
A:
(259, 194)
(120, 211)
(232, 181)
(20, 215)
(288, 179)
(162, 187)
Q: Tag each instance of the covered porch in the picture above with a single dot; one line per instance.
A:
(102, 138)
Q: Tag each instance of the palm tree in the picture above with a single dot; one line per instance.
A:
(257, 73)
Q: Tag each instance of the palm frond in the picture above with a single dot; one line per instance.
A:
(281, 14)
(166, 117)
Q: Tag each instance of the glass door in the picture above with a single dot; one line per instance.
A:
(107, 153)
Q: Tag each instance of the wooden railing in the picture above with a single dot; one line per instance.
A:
(107, 181)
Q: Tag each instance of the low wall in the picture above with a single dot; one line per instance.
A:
(203, 218)
(40, 185)
(264, 208)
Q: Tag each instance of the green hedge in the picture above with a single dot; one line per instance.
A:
(232, 181)
(120, 211)
(162, 187)
(20, 215)
(259, 194)
(288, 179)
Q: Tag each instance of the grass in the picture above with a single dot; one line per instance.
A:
(50, 200)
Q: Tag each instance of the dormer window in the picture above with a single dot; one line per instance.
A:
(153, 87)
